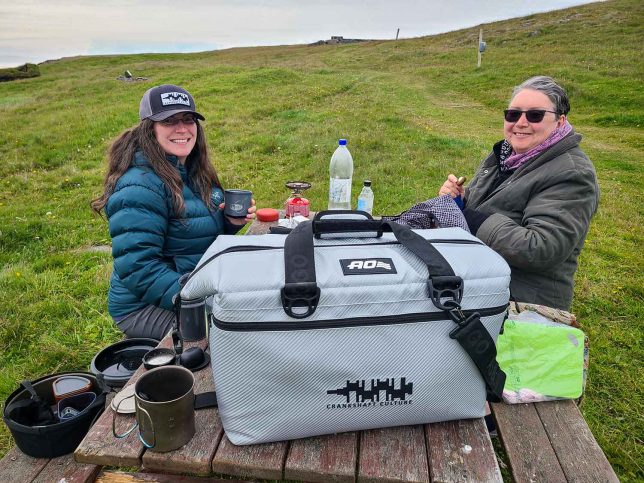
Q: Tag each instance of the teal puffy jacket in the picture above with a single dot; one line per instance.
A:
(151, 246)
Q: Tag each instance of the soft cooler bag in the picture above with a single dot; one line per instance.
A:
(313, 334)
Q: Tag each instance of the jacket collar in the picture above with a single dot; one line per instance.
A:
(571, 141)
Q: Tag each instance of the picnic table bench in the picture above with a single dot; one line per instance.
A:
(547, 442)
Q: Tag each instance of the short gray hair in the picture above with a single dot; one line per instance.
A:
(550, 88)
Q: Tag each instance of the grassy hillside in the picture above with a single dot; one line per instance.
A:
(412, 110)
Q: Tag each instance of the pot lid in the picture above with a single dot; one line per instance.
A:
(117, 362)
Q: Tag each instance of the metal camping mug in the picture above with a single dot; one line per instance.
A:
(237, 202)
(192, 319)
(164, 402)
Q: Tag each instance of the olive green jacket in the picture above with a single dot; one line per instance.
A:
(539, 219)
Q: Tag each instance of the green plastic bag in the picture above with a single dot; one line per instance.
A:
(542, 361)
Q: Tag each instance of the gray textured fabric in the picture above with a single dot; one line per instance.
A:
(289, 381)
(539, 219)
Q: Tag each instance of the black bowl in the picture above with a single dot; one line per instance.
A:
(119, 361)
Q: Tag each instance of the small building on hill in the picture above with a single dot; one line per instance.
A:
(338, 39)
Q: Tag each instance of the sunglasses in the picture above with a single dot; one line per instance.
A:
(532, 115)
(173, 121)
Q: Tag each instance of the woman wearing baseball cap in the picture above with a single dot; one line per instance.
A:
(164, 205)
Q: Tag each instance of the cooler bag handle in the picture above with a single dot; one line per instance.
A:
(301, 290)
(347, 222)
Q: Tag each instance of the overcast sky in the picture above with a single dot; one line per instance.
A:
(37, 30)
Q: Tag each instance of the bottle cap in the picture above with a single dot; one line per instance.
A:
(342, 142)
(367, 182)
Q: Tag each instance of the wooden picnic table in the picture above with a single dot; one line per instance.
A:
(543, 442)
(456, 450)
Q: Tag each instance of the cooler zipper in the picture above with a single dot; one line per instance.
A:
(250, 248)
(350, 322)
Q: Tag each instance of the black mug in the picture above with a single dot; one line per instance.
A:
(237, 202)
(192, 319)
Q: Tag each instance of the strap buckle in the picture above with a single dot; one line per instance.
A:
(455, 313)
(300, 294)
(445, 286)
(459, 318)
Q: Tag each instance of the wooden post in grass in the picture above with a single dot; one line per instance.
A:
(397, 32)
(481, 47)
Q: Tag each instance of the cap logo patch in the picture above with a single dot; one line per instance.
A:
(175, 98)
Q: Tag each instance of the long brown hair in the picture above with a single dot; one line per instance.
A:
(142, 138)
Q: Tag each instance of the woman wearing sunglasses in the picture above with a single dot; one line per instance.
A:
(164, 204)
(532, 198)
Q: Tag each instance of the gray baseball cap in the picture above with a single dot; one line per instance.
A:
(161, 102)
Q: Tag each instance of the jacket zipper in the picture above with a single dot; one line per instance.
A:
(350, 322)
(250, 248)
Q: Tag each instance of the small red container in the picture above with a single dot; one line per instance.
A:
(267, 214)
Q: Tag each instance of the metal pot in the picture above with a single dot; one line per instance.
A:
(164, 401)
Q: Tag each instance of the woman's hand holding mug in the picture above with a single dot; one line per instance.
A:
(241, 220)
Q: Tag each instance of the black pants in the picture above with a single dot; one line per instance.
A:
(149, 322)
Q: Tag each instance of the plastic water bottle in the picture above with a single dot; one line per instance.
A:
(365, 200)
(340, 174)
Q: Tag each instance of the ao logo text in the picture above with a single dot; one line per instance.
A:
(366, 264)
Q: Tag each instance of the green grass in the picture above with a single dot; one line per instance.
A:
(412, 110)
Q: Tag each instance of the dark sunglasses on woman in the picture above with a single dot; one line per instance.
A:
(173, 121)
(532, 115)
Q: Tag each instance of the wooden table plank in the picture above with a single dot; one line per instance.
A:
(580, 456)
(393, 455)
(123, 477)
(195, 456)
(65, 469)
(101, 447)
(261, 227)
(461, 451)
(323, 458)
(526, 443)
(17, 466)
(256, 461)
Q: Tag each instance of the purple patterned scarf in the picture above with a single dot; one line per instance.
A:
(509, 160)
